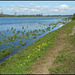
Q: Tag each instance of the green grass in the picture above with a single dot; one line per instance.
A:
(65, 61)
(21, 63)
(4, 53)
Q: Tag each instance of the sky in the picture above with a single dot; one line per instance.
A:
(38, 7)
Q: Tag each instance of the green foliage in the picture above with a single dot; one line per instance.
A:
(0, 42)
(73, 18)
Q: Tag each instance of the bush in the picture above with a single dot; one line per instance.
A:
(73, 18)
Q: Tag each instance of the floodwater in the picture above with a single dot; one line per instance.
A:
(16, 33)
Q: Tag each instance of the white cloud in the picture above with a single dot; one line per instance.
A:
(34, 10)
(64, 6)
(44, 9)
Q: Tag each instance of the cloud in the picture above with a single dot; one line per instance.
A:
(37, 9)
(64, 6)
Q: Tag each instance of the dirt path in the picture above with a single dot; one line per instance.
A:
(42, 65)
(73, 32)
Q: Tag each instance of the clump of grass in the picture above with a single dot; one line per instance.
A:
(18, 32)
(39, 34)
(15, 36)
(17, 47)
(34, 37)
(23, 44)
(23, 36)
(48, 28)
(11, 28)
(0, 42)
(23, 33)
(39, 29)
(34, 34)
(20, 42)
(11, 38)
(49, 24)
(5, 52)
(35, 31)
(19, 37)
(53, 27)
(9, 48)
(43, 30)
(27, 34)
(59, 69)
(61, 58)
(22, 27)
(5, 40)
(30, 31)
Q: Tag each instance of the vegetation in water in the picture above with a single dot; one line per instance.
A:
(0, 42)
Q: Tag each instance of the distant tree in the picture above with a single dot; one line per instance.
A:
(73, 18)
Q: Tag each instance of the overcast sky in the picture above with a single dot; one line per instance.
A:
(38, 7)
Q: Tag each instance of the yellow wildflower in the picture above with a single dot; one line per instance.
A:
(27, 60)
(29, 56)
(39, 46)
(38, 49)
(21, 64)
(24, 63)
(43, 44)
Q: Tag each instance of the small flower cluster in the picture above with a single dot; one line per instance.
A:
(39, 47)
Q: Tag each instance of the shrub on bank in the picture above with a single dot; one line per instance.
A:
(73, 18)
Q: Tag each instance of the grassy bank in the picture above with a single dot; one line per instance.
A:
(21, 62)
(65, 61)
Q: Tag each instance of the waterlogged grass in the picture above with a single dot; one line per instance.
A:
(17, 47)
(65, 61)
(20, 62)
(5, 52)
(0, 42)
(48, 28)
(23, 44)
